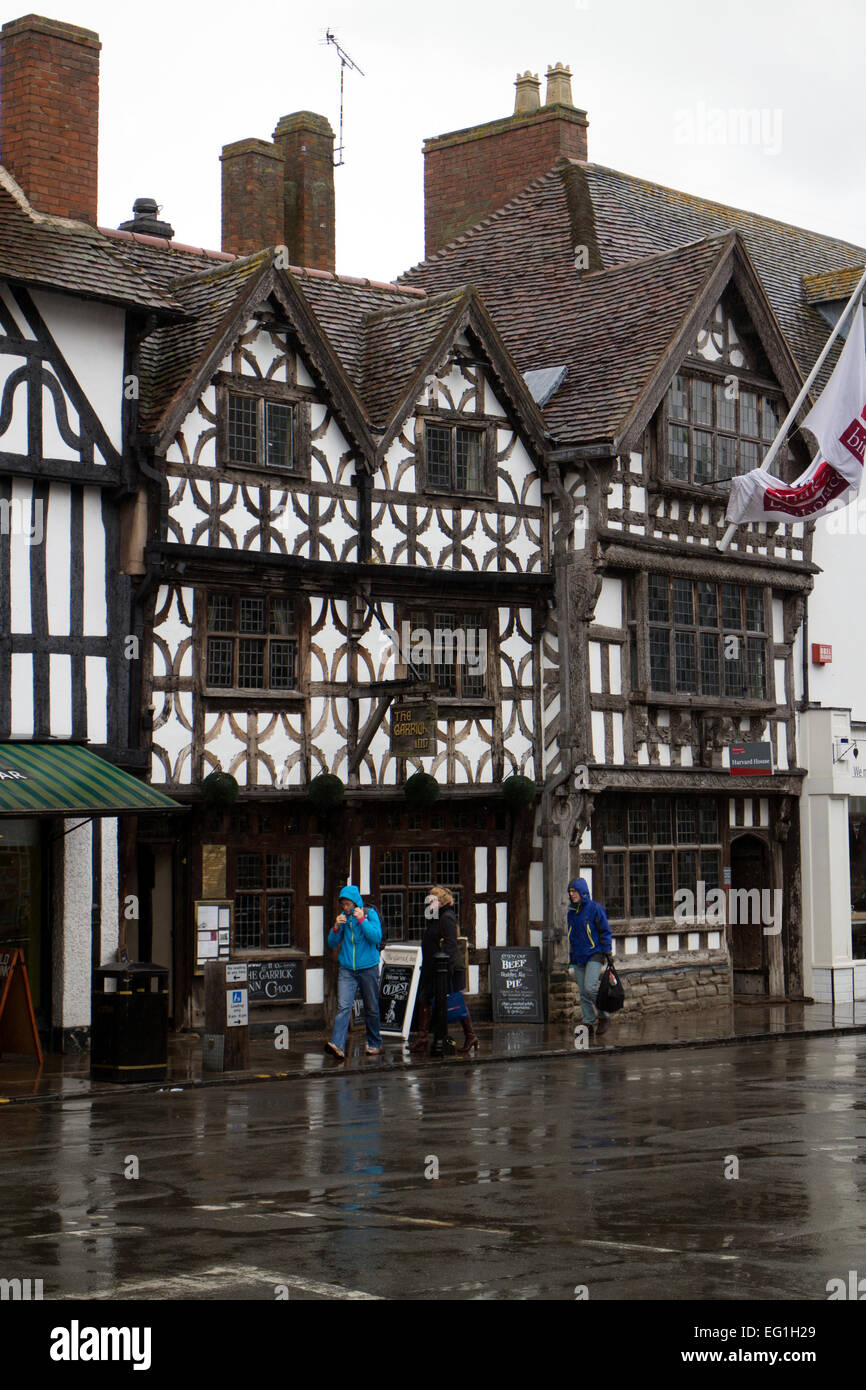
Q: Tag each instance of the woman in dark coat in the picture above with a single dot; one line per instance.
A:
(441, 935)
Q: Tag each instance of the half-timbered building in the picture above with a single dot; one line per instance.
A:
(681, 330)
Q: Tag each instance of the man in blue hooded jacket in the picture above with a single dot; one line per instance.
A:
(357, 931)
(589, 941)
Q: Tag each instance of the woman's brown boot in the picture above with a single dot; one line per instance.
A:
(470, 1040)
(422, 1039)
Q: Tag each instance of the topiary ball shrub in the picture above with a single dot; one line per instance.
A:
(326, 791)
(220, 788)
(518, 792)
(421, 789)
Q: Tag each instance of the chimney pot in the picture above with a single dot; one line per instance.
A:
(559, 86)
(145, 219)
(528, 96)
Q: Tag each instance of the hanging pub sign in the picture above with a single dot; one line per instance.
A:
(751, 759)
(398, 987)
(413, 730)
(515, 978)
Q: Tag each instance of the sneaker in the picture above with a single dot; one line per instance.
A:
(601, 1026)
(332, 1048)
(373, 1051)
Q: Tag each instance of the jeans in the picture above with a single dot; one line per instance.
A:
(347, 988)
(587, 977)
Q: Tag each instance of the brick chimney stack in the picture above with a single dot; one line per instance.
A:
(49, 113)
(282, 193)
(470, 173)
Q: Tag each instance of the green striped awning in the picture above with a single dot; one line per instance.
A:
(47, 778)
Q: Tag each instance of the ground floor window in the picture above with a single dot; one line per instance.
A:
(20, 896)
(403, 879)
(649, 847)
(263, 899)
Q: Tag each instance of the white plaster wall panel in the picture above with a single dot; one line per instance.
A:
(643, 753)
(476, 538)
(781, 746)
(110, 914)
(59, 413)
(317, 871)
(595, 666)
(279, 740)
(672, 942)
(91, 338)
(290, 520)
(303, 375)
(398, 473)
(536, 892)
(481, 869)
(597, 724)
(189, 511)
(328, 733)
(779, 671)
(317, 930)
(492, 403)
(687, 757)
(614, 497)
(637, 499)
(481, 927)
(523, 548)
(473, 753)
(96, 680)
(631, 945)
(653, 944)
(172, 737)
(389, 535)
(60, 695)
(764, 811)
(22, 524)
(60, 572)
(328, 640)
(377, 652)
(14, 439)
(455, 391)
(173, 632)
(517, 740)
(617, 729)
(608, 610)
(95, 599)
(239, 527)
(339, 532)
(225, 745)
(501, 868)
(72, 930)
(22, 694)
(315, 986)
(615, 660)
(501, 924)
(747, 811)
(432, 542)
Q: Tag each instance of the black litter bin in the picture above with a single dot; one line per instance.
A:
(129, 1022)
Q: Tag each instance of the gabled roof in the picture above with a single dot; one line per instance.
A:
(522, 259)
(56, 253)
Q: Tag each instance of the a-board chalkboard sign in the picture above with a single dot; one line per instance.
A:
(515, 977)
(398, 987)
(276, 981)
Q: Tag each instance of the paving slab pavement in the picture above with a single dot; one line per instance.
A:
(66, 1077)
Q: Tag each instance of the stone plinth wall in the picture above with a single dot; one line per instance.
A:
(657, 984)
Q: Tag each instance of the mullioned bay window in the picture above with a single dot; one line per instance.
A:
(649, 849)
(715, 428)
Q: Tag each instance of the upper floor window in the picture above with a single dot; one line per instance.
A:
(252, 642)
(706, 638)
(456, 457)
(449, 647)
(260, 425)
(405, 877)
(714, 429)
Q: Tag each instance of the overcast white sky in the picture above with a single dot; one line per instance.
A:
(180, 80)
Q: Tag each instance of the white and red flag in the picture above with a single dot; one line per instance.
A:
(832, 480)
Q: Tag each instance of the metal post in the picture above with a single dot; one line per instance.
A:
(440, 1003)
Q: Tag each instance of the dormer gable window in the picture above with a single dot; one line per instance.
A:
(457, 456)
(263, 426)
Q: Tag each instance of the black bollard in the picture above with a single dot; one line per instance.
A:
(441, 970)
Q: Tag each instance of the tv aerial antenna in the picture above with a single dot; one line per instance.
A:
(345, 62)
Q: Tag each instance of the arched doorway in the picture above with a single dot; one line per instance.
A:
(752, 873)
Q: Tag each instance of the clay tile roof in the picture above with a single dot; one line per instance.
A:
(834, 284)
(60, 254)
(398, 342)
(522, 259)
(343, 306)
(170, 354)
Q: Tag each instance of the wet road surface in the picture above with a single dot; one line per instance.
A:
(732, 1173)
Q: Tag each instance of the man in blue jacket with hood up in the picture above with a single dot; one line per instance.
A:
(589, 942)
(357, 931)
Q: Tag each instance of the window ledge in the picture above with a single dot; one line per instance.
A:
(722, 703)
(254, 693)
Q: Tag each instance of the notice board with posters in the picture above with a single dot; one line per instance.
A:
(515, 983)
(398, 987)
